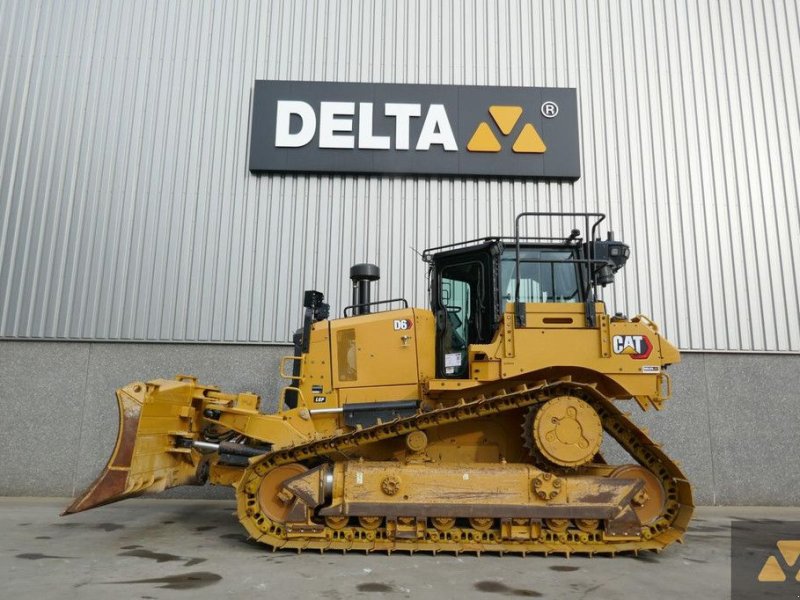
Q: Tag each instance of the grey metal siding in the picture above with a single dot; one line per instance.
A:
(127, 210)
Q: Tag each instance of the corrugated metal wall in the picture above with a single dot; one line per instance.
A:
(127, 210)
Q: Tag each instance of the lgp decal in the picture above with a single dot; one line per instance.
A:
(636, 346)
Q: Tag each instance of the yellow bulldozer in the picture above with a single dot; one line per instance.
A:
(475, 425)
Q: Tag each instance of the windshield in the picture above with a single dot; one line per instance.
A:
(540, 281)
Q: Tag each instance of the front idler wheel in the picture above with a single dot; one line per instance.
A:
(649, 502)
(276, 501)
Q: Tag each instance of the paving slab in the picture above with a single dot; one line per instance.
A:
(163, 549)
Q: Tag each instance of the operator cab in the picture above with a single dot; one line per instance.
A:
(471, 283)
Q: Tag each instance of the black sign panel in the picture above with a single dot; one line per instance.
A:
(414, 129)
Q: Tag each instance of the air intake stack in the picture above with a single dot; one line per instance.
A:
(362, 275)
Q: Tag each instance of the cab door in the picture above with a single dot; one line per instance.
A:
(465, 305)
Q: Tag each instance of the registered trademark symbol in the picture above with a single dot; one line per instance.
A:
(549, 109)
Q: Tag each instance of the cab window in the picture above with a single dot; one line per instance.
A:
(555, 281)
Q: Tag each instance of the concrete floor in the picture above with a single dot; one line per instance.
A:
(155, 548)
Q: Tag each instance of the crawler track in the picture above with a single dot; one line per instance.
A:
(669, 527)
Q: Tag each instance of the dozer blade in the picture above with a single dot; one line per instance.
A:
(145, 458)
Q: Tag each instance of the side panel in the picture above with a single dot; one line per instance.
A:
(631, 353)
(377, 349)
(316, 383)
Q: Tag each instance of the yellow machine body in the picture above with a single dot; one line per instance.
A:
(378, 453)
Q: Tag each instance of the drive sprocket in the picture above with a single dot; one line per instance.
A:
(565, 431)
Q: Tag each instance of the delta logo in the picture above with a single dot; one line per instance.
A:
(414, 129)
(297, 124)
(636, 346)
(506, 118)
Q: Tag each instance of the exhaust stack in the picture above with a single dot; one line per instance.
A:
(362, 275)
